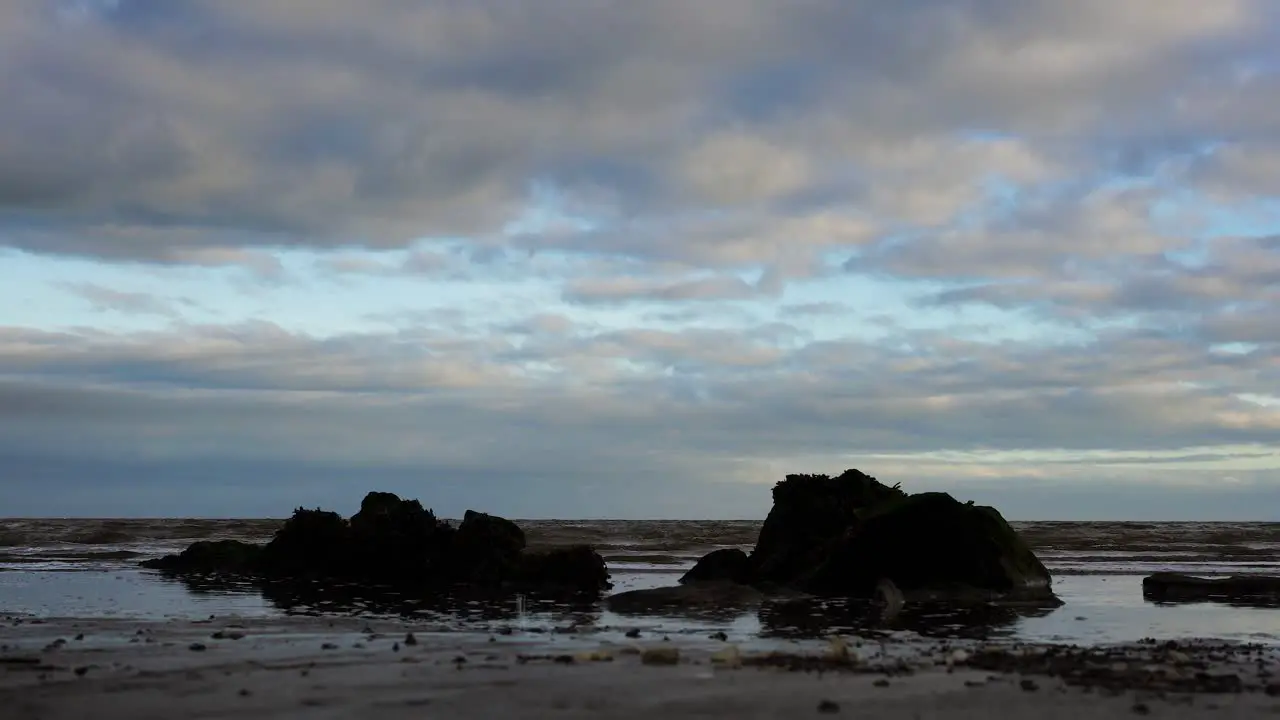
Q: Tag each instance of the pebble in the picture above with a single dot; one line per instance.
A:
(197, 647)
(828, 706)
(409, 639)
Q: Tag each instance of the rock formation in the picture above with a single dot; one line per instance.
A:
(1245, 590)
(842, 536)
(398, 543)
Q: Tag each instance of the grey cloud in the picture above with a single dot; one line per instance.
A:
(631, 289)
(131, 303)
(731, 394)
(280, 123)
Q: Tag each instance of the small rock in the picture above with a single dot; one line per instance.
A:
(828, 706)
(1029, 685)
(720, 635)
(328, 646)
(460, 659)
(395, 647)
(244, 692)
(79, 636)
(633, 633)
(881, 683)
(563, 660)
(1141, 709)
(197, 647)
(410, 639)
(80, 671)
(660, 656)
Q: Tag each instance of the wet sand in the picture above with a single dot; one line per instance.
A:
(351, 668)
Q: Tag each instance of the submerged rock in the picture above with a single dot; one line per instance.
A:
(1263, 590)
(713, 594)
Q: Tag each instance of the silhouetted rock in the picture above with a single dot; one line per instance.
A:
(211, 556)
(486, 548)
(810, 511)
(730, 564)
(310, 542)
(931, 546)
(1250, 590)
(845, 536)
(573, 568)
(398, 543)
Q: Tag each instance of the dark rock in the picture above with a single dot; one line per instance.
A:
(729, 564)
(394, 538)
(828, 706)
(211, 556)
(395, 544)
(845, 536)
(1260, 590)
(808, 512)
(312, 542)
(486, 548)
(573, 568)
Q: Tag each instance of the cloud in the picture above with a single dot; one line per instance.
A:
(625, 289)
(333, 127)
(592, 243)
(131, 303)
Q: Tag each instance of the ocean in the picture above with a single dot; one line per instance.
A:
(88, 568)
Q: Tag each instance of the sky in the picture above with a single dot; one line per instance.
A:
(639, 258)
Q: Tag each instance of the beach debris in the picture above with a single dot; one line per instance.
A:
(1141, 708)
(633, 633)
(718, 635)
(197, 647)
(837, 648)
(600, 655)
(410, 639)
(828, 706)
(227, 635)
(395, 647)
(881, 683)
(79, 636)
(660, 656)
(729, 657)
(328, 646)
(1029, 685)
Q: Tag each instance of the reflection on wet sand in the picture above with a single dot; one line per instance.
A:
(786, 619)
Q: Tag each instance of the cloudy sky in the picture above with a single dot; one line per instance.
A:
(639, 258)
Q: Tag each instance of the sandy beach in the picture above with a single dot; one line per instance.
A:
(351, 668)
